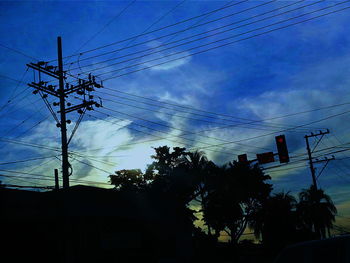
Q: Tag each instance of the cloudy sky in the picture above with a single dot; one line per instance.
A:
(224, 77)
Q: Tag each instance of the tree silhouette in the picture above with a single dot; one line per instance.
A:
(232, 197)
(316, 211)
(234, 194)
(275, 221)
(128, 180)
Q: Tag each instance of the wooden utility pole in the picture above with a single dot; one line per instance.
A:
(63, 126)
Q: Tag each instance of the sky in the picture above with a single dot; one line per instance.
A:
(224, 77)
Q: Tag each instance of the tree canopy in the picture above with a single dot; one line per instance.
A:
(231, 197)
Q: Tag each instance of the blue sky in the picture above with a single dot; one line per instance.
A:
(294, 69)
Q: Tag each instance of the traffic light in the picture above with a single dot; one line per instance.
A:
(267, 157)
(282, 148)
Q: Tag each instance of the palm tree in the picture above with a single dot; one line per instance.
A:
(275, 220)
(316, 211)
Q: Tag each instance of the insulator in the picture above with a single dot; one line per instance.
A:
(50, 67)
(35, 92)
(91, 97)
(55, 103)
(97, 105)
(89, 108)
(69, 121)
(69, 104)
(89, 89)
(58, 125)
(45, 96)
(80, 111)
(42, 63)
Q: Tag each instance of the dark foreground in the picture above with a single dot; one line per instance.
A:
(86, 224)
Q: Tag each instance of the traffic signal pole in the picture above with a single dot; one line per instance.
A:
(63, 123)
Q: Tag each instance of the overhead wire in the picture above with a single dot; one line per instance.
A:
(161, 124)
(172, 34)
(103, 28)
(187, 54)
(32, 127)
(216, 47)
(134, 39)
(18, 100)
(195, 40)
(205, 130)
(221, 114)
(44, 177)
(156, 30)
(151, 134)
(9, 100)
(251, 122)
(301, 125)
(18, 52)
(93, 166)
(21, 123)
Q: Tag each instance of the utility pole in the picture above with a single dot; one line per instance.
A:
(83, 89)
(309, 152)
(64, 144)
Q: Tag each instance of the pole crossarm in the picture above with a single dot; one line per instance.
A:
(43, 67)
(85, 104)
(47, 89)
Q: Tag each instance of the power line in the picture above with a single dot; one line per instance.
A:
(43, 177)
(97, 168)
(27, 160)
(32, 127)
(221, 114)
(18, 52)
(26, 186)
(302, 125)
(213, 42)
(21, 123)
(159, 29)
(105, 26)
(166, 138)
(13, 92)
(164, 125)
(195, 40)
(19, 100)
(216, 47)
(251, 122)
(175, 33)
(149, 27)
(159, 138)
